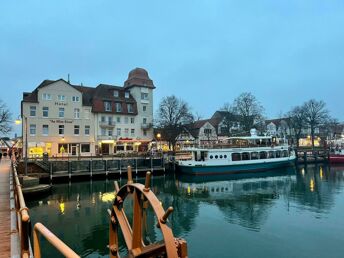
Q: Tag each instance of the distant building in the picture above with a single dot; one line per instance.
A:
(278, 127)
(65, 119)
(223, 127)
(201, 132)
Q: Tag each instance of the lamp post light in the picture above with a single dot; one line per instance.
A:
(158, 136)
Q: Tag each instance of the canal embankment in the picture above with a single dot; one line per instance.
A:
(74, 169)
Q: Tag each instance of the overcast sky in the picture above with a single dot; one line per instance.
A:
(206, 52)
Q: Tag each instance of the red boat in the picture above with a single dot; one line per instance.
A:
(337, 157)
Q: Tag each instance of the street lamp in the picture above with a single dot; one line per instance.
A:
(158, 136)
(18, 122)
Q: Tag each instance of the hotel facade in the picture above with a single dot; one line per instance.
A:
(60, 118)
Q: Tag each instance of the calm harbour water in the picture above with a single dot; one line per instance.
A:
(286, 213)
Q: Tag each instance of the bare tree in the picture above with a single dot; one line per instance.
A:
(249, 110)
(315, 114)
(197, 116)
(173, 113)
(5, 119)
(331, 127)
(296, 122)
(229, 118)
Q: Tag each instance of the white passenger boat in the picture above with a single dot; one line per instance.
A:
(238, 154)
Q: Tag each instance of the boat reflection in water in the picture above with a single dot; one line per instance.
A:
(244, 199)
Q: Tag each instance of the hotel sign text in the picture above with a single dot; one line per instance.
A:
(57, 121)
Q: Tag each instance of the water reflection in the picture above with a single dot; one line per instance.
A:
(243, 199)
(77, 212)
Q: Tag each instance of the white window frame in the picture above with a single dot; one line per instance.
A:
(46, 96)
(131, 109)
(61, 127)
(47, 128)
(34, 110)
(77, 113)
(45, 109)
(87, 129)
(75, 98)
(33, 129)
(61, 111)
(118, 107)
(76, 127)
(61, 97)
(107, 106)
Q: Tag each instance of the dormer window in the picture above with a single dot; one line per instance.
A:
(118, 107)
(115, 93)
(126, 94)
(107, 105)
(130, 108)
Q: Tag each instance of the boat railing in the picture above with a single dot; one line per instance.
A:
(230, 146)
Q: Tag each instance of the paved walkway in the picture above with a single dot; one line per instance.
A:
(5, 218)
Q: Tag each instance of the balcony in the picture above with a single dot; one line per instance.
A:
(146, 126)
(106, 123)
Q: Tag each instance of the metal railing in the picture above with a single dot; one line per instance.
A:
(53, 240)
(24, 225)
(23, 218)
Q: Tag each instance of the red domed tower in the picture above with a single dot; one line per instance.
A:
(139, 77)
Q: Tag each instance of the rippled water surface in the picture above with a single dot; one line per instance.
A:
(286, 213)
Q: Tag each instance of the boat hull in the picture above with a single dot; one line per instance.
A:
(232, 169)
(336, 159)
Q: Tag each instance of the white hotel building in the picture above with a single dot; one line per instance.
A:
(64, 119)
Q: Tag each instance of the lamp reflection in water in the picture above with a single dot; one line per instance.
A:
(303, 172)
(62, 207)
(311, 185)
(108, 197)
(78, 202)
(321, 173)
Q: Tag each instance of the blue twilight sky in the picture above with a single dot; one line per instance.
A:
(206, 52)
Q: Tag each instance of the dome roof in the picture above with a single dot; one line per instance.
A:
(138, 73)
(139, 77)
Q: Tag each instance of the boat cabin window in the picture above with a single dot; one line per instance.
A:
(263, 155)
(216, 156)
(220, 156)
(285, 153)
(278, 154)
(254, 155)
(271, 154)
(236, 157)
(245, 156)
(200, 155)
(225, 156)
(211, 157)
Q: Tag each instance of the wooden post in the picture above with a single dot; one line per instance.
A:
(51, 171)
(91, 167)
(70, 169)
